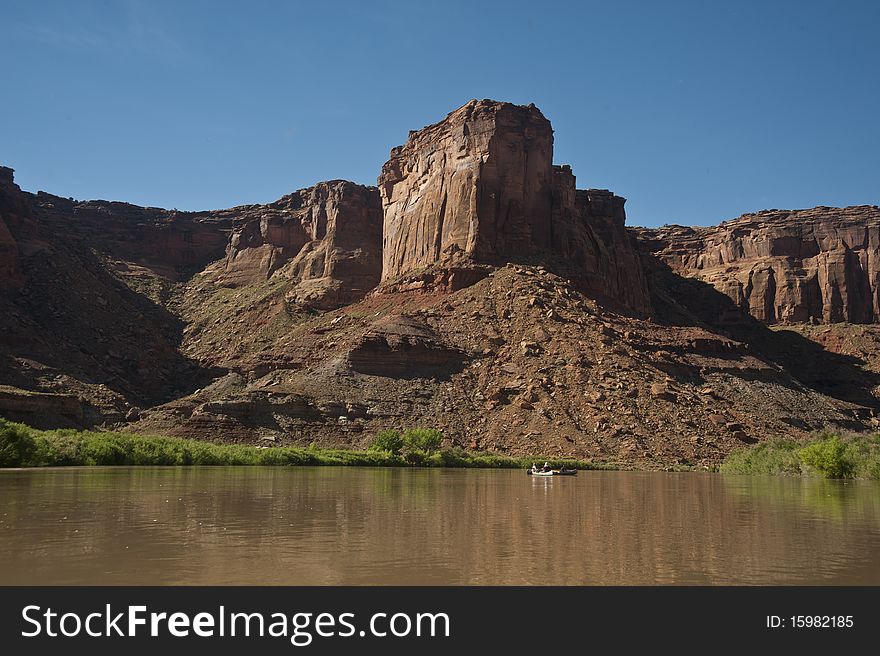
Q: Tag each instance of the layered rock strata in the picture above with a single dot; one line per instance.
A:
(169, 243)
(784, 266)
(480, 187)
(327, 238)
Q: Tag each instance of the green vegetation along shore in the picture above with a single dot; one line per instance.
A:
(828, 454)
(23, 446)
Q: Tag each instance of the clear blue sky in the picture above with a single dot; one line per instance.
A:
(695, 111)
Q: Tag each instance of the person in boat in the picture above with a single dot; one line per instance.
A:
(535, 467)
(546, 467)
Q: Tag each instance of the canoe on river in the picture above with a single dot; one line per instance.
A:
(553, 472)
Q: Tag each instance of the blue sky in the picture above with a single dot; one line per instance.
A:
(694, 111)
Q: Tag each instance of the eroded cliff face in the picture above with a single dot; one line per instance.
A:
(14, 214)
(477, 185)
(590, 244)
(169, 243)
(784, 266)
(480, 187)
(327, 240)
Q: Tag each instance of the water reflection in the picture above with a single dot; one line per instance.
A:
(403, 526)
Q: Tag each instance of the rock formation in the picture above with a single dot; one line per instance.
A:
(480, 187)
(476, 184)
(171, 244)
(15, 212)
(327, 238)
(403, 347)
(816, 265)
(591, 245)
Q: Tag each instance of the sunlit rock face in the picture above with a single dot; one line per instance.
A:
(480, 187)
(785, 266)
(327, 238)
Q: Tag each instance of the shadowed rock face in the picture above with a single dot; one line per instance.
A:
(784, 266)
(329, 235)
(591, 245)
(480, 187)
(171, 244)
(15, 213)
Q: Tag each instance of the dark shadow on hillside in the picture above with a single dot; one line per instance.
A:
(75, 318)
(681, 301)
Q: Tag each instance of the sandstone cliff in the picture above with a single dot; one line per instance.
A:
(477, 183)
(170, 244)
(480, 187)
(784, 266)
(78, 346)
(327, 238)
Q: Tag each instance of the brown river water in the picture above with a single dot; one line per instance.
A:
(363, 526)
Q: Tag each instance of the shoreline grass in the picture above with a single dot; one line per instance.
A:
(23, 446)
(828, 455)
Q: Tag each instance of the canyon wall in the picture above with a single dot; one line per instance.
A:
(327, 238)
(171, 244)
(15, 215)
(784, 266)
(590, 244)
(480, 187)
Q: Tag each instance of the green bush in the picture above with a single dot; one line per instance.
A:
(828, 457)
(16, 445)
(774, 457)
(828, 454)
(455, 457)
(426, 440)
(388, 440)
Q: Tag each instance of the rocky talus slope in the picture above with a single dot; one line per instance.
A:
(475, 289)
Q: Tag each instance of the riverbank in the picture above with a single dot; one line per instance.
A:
(828, 454)
(23, 446)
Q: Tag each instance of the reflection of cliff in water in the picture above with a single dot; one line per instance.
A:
(401, 526)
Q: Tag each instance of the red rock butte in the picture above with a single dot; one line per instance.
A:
(480, 187)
